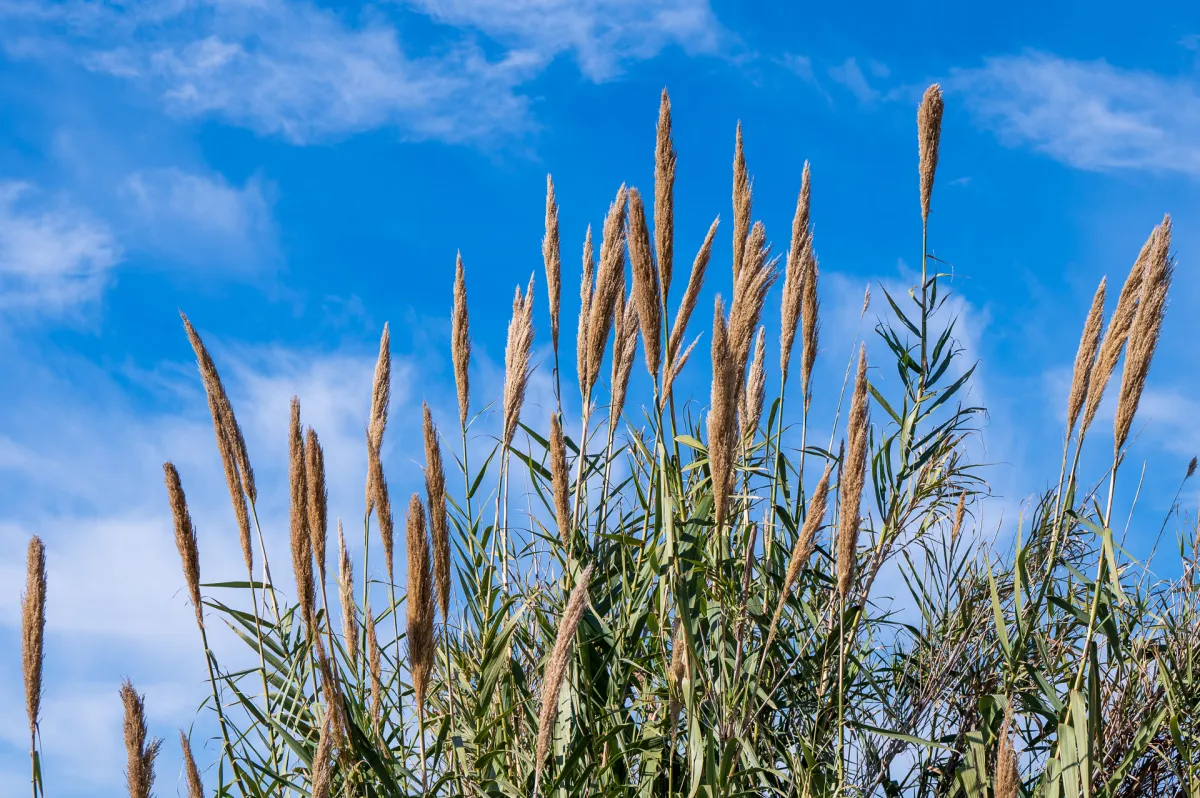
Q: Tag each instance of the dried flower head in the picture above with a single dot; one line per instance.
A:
(756, 383)
(382, 502)
(318, 499)
(435, 494)
(664, 195)
(381, 393)
(460, 341)
(517, 369)
(349, 608)
(561, 479)
(610, 287)
(419, 601)
(301, 537)
(376, 671)
(185, 538)
(722, 415)
(691, 295)
(140, 753)
(552, 258)
(793, 276)
(556, 668)
(195, 788)
(742, 202)
(33, 630)
(1085, 357)
(645, 284)
(1144, 333)
(854, 468)
(929, 135)
(750, 290)
(322, 766)
(959, 512)
(810, 329)
(625, 338)
(586, 288)
(1008, 778)
(806, 541)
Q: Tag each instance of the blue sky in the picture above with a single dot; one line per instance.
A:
(294, 175)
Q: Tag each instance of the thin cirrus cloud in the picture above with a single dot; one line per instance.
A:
(308, 73)
(54, 256)
(1087, 114)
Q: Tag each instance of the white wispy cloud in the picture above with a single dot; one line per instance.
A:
(850, 75)
(1087, 114)
(54, 257)
(308, 73)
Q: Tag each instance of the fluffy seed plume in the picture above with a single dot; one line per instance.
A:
(756, 383)
(460, 341)
(381, 393)
(561, 479)
(645, 284)
(556, 668)
(586, 287)
(664, 195)
(139, 771)
(517, 369)
(722, 415)
(959, 512)
(929, 136)
(419, 600)
(349, 608)
(810, 329)
(793, 276)
(552, 258)
(239, 475)
(382, 502)
(376, 669)
(318, 499)
(300, 537)
(691, 294)
(195, 788)
(749, 294)
(742, 201)
(435, 494)
(854, 469)
(1144, 333)
(33, 630)
(806, 541)
(322, 767)
(1116, 333)
(1085, 357)
(610, 286)
(1008, 778)
(625, 337)
(185, 538)
(679, 668)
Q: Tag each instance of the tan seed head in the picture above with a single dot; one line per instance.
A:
(185, 538)
(33, 629)
(742, 202)
(793, 276)
(586, 288)
(854, 469)
(301, 537)
(552, 258)
(318, 500)
(435, 494)
(140, 753)
(561, 479)
(195, 788)
(460, 341)
(349, 608)
(664, 195)
(691, 295)
(517, 368)
(1085, 357)
(610, 287)
(419, 601)
(645, 284)
(929, 135)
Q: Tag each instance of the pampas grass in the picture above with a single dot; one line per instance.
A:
(140, 751)
(33, 636)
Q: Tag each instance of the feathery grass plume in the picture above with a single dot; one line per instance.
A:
(664, 195)
(419, 600)
(331, 692)
(322, 766)
(625, 337)
(560, 478)
(677, 672)
(742, 201)
(645, 284)
(382, 502)
(460, 341)
(33, 630)
(185, 538)
(553, 261)
(722, 415)
(610, 286)
(691, 294)
(556, 668)
(435, 494)
(318, 499)
(929, 136)
(141, 753)
(806, 541)
(301, 537)
(586, 287)
(1008, 778)
(756, 383)
(810, 329)
(959, 511)
(793, 276)
(749, 294)
(381, 394)
(239, 475)
(854, 468)
(349, 608)
(1085, 357)
(195, 788)
(1116, 333)
(376, 671)
(517, 369)
(1144, 333)
(679, 361)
